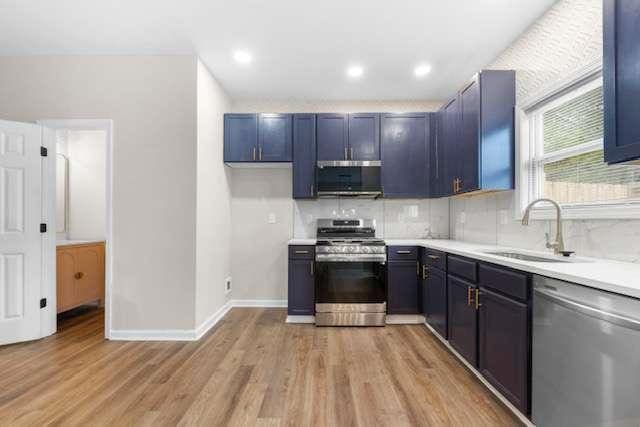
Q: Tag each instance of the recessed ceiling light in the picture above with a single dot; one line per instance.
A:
(355, 71)
(242, 56)
(422, 70)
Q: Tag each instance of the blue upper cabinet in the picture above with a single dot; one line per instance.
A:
(621, 79)
(257, 137)
(405, 154)
(304, 156)
(478, 135)
(333, 133)
(240, 137)
(274, 137)
(364, 136)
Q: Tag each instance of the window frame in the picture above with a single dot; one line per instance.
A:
(531, 159)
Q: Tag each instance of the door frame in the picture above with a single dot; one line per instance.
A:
(85, 124)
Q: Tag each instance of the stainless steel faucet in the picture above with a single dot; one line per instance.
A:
(558, 245)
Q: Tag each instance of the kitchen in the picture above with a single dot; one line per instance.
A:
(447, 237)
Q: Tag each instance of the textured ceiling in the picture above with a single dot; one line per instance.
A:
(300, 48)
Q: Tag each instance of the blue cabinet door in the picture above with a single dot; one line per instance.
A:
(274, 138)
(436, 157)
(301, 290)
(462, 318)
(403, 295)
(451, 146)
(469, 141)
(503, 335)
(404, 153)
(304, 156)
(333, 133)
(364, 136)
(621, 79)
(240, 137)
(435, 299)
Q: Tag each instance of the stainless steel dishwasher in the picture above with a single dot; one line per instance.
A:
(586, 356)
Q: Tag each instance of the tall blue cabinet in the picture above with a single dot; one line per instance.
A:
(304, 156)
(405, 154)
(621, 79)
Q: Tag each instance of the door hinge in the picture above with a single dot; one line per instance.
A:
(43, 302)
(43, 228)
(43, 151)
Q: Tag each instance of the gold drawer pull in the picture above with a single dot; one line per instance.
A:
(79, 275)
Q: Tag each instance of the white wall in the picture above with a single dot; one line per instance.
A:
(259, 249)
(86, 151)
(213, 224)
(567, 38)
(152, 101)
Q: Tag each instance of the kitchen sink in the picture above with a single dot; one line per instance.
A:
(526, 257)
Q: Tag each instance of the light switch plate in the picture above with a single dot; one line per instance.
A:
(271, 219)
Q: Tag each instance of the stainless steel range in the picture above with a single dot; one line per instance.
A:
(350, 278)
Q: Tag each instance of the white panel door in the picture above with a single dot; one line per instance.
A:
(20, 237)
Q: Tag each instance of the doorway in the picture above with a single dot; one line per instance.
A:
(83, 204)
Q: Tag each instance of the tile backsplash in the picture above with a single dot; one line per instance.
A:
(402, 218)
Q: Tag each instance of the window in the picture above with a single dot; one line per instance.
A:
(562, 157)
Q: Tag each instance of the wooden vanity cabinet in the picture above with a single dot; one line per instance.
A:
(80, 275)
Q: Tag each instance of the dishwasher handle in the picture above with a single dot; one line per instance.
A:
(617, 319)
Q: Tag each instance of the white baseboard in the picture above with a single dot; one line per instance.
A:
(153, 335)
(190, 334)
(526, 421)
(212, 320)
(270, 303)
(405, 319)
(301, 319)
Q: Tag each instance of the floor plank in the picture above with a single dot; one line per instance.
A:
(251, 369)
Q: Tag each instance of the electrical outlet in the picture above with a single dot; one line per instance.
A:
(271, 219)
(227, 285)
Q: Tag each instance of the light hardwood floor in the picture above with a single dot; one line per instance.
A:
(251, 369)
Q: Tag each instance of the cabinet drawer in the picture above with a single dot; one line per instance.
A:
(462, 267)
(509, 282)
(434, 258)
(302, 252)
(402, 253)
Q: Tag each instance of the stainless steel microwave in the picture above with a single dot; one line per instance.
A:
(349, 178)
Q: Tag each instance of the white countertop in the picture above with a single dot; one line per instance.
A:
(302, 241)
(66, 242)
(613, 276)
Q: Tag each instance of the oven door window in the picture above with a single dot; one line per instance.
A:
(350, 283)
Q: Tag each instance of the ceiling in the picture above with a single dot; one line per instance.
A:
(300, 49)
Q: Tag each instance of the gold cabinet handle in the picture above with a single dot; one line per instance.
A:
(425, 272)
(418, 268)
(311, 189)
(478, 305)
(351, 153)
(254, 153)
(469, 295)
(79, 275)
(260, 153)
(345, 153)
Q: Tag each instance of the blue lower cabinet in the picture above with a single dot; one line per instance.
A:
(463, 318)
(404, 145)
(504, 351)
(403, 281)
(304, 156)
(301, 283)
(434, 299)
